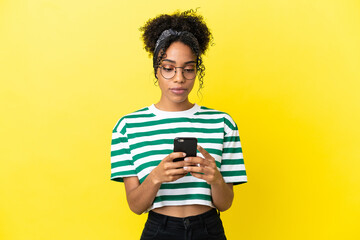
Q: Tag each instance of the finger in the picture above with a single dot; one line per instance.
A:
(203, 152)
(173, 155)
(178, 164)
(196, 160)
(196, 169)
(198, 175)
(177, 171)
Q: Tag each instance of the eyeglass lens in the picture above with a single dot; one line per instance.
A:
(169, 71)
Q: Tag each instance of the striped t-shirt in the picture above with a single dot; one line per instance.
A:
(140, 140)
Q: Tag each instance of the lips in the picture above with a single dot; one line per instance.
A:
(178, 91)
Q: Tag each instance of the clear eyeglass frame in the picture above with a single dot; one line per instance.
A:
(162, 68)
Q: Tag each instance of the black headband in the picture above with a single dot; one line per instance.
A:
(166, 34)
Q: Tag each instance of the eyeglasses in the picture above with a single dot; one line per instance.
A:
(169, 71)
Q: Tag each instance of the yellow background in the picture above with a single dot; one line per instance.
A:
(287, 71)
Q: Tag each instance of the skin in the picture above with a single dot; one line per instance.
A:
(141, 196)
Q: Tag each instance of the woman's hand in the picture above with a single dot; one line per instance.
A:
(168, 170)
(205, 168)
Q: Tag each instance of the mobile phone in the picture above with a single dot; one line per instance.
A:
(187, 145)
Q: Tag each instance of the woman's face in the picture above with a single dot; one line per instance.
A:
(176, 89)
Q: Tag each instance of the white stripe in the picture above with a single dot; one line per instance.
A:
(232, 144)
(174, 126)
(235, 179)
(184, 202)
(170, 147)
(183, 191)
(232, 156)
(118, 146)
(121, 169)
(158, 157)
(120, 158)
(152, 148)
(145, 172)
(172, 136)
(156, 118)
(188, 179)
(239, 167)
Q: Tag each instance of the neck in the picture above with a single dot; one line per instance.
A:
(172, 107)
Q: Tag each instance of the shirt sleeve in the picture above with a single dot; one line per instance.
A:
(121, 160)
(232, 163)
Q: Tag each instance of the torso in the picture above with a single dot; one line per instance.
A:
(182, 211)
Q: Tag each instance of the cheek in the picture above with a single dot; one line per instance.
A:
(162, 84)
(191, 85)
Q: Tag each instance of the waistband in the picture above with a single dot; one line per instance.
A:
(187, 221)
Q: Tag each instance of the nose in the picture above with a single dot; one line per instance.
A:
(179, 76)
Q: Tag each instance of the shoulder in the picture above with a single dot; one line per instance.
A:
(120, 125)
(213, 113)
(216, 113)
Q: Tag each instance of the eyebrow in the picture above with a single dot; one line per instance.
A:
(168, 60)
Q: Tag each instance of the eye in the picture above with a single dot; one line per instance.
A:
(189, 69)
(168, 68)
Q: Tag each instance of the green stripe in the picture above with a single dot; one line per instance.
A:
(142, 109)
(130, 116)
(185, 185)
(174, 120)
(214, 151)
(230, 125)
(117, 125)
(232, 139)
(233, 173)
(232, 150)
(218, 164)
(206, 108)
(147, 164)
(168, 151)
(151, 143)
(121, 164)
(152, 152)
(120, 152)
(118, 140)
(182, 197)
(232, 161)
(210, 140)
(123, 130)
(123, 174)
(143, 178)
(208, 113)
(175, 130)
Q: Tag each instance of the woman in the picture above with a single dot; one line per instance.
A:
(182, 197)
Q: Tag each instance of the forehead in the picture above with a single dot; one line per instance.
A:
(180, 53)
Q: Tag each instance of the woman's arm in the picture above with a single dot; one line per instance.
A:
(222, 193)
(141, 196)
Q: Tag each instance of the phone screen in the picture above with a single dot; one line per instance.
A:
(187, 145)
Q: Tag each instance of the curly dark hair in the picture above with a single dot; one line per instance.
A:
(188, 21)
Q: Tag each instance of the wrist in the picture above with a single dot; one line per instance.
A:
(218, 182)
(154, 179)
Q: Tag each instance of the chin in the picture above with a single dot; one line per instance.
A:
(179, 100)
